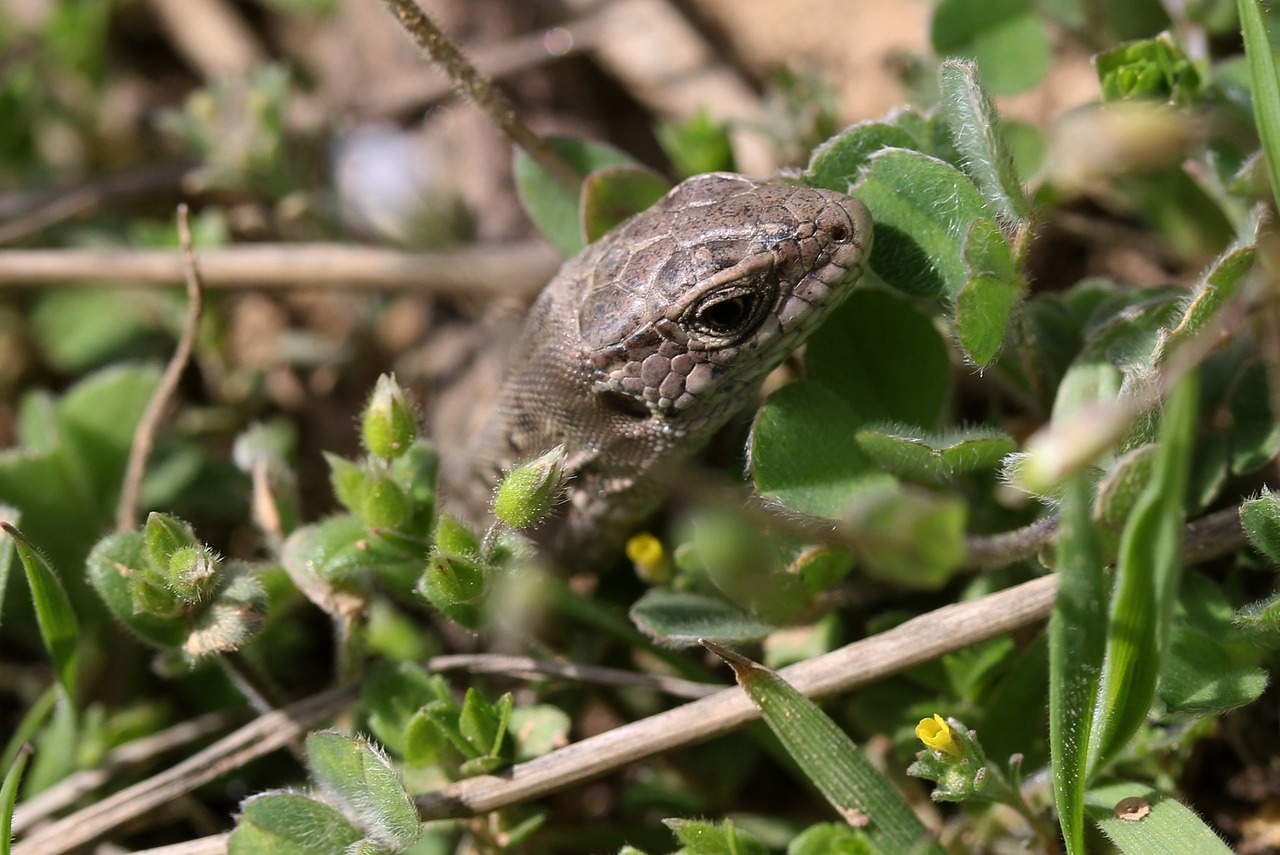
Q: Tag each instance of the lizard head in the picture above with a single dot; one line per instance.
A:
(692, 302)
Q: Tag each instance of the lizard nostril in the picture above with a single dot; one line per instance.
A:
(839, 234)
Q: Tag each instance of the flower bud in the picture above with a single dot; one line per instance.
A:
(528, 494)
(388, 426)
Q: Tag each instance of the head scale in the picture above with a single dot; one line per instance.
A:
(712, 288)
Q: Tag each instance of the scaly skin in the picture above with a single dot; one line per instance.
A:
(651, 338)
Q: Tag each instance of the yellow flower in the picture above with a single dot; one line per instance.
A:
(649, 557)
(936, 734)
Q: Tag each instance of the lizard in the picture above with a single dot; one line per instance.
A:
(652, 337)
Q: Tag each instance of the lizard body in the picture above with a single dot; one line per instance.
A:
(651, 338)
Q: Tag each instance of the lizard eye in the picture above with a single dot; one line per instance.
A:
(727, 315)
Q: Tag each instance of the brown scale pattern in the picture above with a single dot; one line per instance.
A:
(651, 338)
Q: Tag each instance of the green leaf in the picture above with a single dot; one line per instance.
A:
(1146, 584)
(837, 163)
(165, 535)
(552, 208)
(57, 621)
(1261, 520)
(66, 485)
(923, 209)
(984, 306)
(830, 760)
(78, 329)
(1266, 86)
(830, 838)
(917, 455)
(1077, 643)
(743, 563)
(1219, 283)
(1213, 660)
(393, 692)
(362, 782)
(290, 824)
(31, 722)
(1168, 828)
(612, 194)
(537, 730)
(883, 357)
(1006, 37)
(1123, 485)
(907, 535)
(1254, 431)
(683, 619)
(484, 725)
(9, 796)
(803, 453)
(700, 837)
(980, 138)
(115, 567)
(1147, 68)
(696, 146)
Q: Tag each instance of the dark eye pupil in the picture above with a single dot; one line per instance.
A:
(724, 316)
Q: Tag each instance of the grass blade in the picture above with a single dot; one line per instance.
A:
(1266, 86)
(9, 796)
(57, 621)
(1147, 571)
(1077, 644)
(7, 551)
(831, 761)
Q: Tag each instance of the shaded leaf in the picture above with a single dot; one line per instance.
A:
(883, 357)
(612, 194)
(554, 210)
(803, 454)
(683, 619)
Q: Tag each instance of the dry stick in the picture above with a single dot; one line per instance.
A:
(261, 736)
(525, 666)
(481, 91)
(918, 640)
(71, 788)
(144, 436)
(517, 270)
(214, 844)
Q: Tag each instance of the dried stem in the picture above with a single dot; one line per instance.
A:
(261, 736)
(918, 640)
(79, 784)
(481, 91)
(477, 271)
(144, 436)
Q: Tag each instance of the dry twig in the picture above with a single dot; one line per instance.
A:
(145, 434)
(481, 91)
(918, 640)
(261, 736)
(478, 271)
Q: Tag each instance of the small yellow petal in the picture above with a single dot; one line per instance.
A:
(649, 556)
(935, 733)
